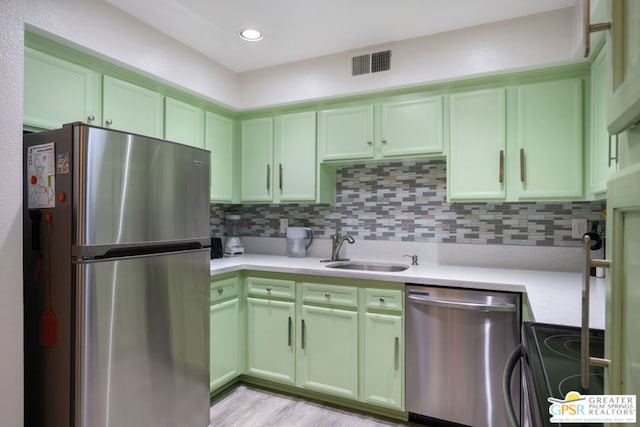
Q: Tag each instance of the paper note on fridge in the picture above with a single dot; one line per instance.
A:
(41, 176)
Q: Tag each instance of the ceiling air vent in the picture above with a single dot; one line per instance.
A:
(371, 63)
(380, 61)
(360, 64)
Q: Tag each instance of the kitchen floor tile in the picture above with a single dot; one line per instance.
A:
(245, 406)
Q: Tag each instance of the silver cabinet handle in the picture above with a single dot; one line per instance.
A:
(327, 295)
(290, 327)
(501, 170)
(461, 305)
(396, 351)
(384, 141)
(522, 165)
(268, 289)
(268, 178)
(369, 142)
(220, 291)
(280, 174)
(302, 335)
(108, 122)
(585, 359)
(381, 300)
(91, 118)
(617, 145)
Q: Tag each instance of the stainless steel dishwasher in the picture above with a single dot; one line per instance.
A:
(458, 342)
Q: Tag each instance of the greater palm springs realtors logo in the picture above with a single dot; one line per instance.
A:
(576, 408)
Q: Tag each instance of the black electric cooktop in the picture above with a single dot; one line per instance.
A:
(552, 365)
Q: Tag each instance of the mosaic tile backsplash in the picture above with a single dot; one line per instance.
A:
(408, 201)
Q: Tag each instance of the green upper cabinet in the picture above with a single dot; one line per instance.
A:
(183, 123)
(394, 128)
(518, 143)
(58, 92)
(256, 160)
(295, 153)
(218, 134)
(278, 161)
(131, 108)
(549, 139)
(603, 152)
(475, 165)
(346, 133)
(412, 128)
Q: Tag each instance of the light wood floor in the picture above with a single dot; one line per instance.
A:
(246, 406)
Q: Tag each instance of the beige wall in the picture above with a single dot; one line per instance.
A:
(11, 60)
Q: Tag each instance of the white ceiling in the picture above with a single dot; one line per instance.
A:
(301, 29)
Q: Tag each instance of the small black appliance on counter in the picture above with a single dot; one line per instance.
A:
(216, 247)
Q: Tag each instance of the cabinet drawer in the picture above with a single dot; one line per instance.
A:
(223, 289)
(343, 296)
(273, 288)
(383, 299)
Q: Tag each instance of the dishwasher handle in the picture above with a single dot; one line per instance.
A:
(460, 305)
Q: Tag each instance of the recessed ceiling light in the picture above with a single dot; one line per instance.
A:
(250, 35)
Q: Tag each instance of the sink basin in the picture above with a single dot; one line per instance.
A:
(368, 266)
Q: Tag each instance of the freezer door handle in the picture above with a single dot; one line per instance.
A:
(460, 305)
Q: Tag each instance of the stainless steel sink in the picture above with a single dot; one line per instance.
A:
(367, 266)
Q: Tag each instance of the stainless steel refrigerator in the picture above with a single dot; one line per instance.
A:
(116, 280)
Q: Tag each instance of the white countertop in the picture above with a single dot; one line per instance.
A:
(554, 297)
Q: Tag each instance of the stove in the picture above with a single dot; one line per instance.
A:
(552, 366)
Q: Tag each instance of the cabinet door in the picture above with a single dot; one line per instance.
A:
(383, 381)
(549, 141)
(256, 160)
(58, 92)
(224, 350)
(270, 340)
(219, 140)
(476, 161)
(131, 108)
(328, 351)
(601, 144)
(183, 123)
(346, 133)
(412, 127)
(295, 136)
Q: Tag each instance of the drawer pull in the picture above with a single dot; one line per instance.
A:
(522, 173)
(501, 168)
(268, 289)
(381, 300)
(220, 291)
(396, 351)
(327, 295)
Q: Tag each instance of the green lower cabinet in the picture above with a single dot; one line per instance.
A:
(224, 343)
(270, 339)
(226, 331)
(383, 359)
(328, 351)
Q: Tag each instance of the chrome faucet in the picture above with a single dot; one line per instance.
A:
(336, 244)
